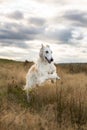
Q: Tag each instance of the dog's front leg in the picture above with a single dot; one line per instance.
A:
(57, 77)
(53, 76)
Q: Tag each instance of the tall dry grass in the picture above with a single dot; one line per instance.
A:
(58, 106)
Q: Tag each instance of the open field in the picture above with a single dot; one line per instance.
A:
(54, 106)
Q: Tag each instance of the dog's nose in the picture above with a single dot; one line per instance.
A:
(51, 59)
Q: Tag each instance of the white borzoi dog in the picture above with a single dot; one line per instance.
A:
(41, 71)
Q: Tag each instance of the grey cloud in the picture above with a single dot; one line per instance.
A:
(78, 18)
(11, 43)
(31, 30)
(80, 37)
(16, 15)
(19, 32)
(62, 35)
(78, 24)
(84, 51)
(13, 34)
(37, 21)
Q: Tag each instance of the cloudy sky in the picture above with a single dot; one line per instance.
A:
(26, 24)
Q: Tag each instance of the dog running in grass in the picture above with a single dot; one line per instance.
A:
(41, 71)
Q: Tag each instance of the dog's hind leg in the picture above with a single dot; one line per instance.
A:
(28, 99)
(52, 81)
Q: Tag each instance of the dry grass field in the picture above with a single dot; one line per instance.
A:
(54, 106)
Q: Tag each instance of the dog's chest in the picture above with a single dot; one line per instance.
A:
(46, 69)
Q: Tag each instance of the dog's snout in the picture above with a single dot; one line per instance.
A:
(51, 59)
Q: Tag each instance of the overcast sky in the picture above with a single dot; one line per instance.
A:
(26, 24)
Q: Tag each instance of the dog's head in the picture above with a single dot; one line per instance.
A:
(46, 53)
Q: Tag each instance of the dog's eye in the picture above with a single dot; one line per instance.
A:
(46, 51)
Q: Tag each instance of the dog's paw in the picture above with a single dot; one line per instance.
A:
(58, 77)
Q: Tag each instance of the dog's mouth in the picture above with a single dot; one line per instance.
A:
(49, 61)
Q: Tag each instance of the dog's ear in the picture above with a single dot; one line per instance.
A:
(47, 46)
(41, 51)
(42, 46)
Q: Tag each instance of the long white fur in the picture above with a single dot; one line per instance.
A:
(41, 71)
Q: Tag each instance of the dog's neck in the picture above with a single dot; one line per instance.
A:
(41, 61)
